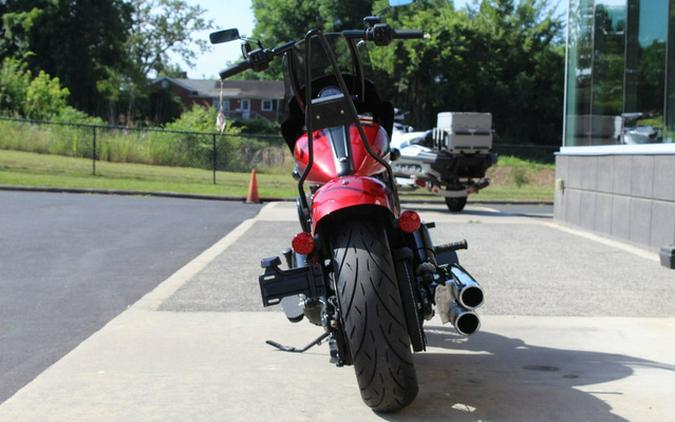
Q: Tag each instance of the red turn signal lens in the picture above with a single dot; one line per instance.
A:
(421, 183)
(409, 221)
(303, 243)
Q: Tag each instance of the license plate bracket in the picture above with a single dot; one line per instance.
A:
(275, 283)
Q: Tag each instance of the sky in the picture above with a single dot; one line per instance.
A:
(238, 14)
(224, 14)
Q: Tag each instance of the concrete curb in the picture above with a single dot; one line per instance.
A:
(134, 193)
(223, 198)
(496, 202)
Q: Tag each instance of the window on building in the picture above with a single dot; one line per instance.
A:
(267, 105)
(245, 104)
(618, 91)
(225, 104)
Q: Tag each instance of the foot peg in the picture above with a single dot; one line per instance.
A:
(451, 247)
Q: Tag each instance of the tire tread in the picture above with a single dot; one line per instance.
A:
(376, 332)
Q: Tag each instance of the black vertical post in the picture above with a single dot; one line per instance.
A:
(93, 154)
(214, 157)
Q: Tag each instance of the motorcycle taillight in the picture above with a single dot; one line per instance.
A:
(303, 243)
(409, 221)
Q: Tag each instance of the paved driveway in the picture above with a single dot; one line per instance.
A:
(69, 263)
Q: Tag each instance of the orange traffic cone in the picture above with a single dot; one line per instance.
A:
(252, 196)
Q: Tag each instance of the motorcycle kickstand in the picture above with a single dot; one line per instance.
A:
(291, 349)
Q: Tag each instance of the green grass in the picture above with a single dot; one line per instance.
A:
(233, 152)
(31, 169)
(511, 161)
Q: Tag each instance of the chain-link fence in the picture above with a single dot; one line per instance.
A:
(210, 152)
(85, 149)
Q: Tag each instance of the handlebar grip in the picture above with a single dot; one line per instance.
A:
(408, 34)
(234, 70)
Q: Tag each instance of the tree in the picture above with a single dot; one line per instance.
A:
(498, 56)
(430, 75)
(279, 21)
(16, 28)
(103, 51)
(160, 27)
(45, 97)
(164, 26)
(14, 82)
(74, 40)
(41, 97)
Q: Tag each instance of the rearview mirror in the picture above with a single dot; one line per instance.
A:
(224, 36)
(397, 3)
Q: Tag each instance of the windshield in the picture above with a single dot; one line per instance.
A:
(321, 69)
(364, 93)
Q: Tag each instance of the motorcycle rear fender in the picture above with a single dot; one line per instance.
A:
(349, 193)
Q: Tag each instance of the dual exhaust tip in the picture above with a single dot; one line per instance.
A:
(468, 296)
(465, 321)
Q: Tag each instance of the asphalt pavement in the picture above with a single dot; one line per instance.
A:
(69, 263)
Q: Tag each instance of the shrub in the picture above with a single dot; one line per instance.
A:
(14, 82)
(200, 119)
(234, 152)
(519, 176)
(71, 115)
(258, 126)
(44, 97)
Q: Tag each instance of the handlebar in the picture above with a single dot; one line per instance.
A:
(258, 60)
(283, 48)
(408, 34)
(354, 34)
(380, 33)
(234, 70)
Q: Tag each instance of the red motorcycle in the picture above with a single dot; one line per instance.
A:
(364, 271)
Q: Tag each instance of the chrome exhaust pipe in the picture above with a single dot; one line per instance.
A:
(465, 321)
(454, 295)
(465, 289)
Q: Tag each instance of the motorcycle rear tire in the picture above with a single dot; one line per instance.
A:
(456, 204)
(373, 316)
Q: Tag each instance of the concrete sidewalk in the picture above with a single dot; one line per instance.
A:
(187, 351)
(161, 366)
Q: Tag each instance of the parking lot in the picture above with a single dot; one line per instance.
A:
(575, 327)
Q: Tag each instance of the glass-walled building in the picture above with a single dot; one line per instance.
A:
(616, 169)
(620, 73)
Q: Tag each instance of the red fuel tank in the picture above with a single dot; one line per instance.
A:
(323, 169)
